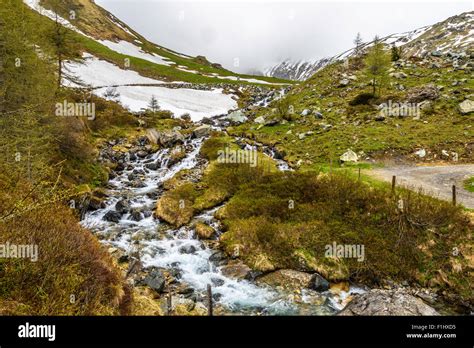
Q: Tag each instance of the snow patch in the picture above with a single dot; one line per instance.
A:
(198, 104)
(100, 73)
(129, 49)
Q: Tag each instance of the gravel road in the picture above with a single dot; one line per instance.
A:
(436, 181)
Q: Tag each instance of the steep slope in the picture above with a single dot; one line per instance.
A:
(455, 33)
(329, 115)
(117, 56)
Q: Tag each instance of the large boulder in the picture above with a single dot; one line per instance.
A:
(122, 206)
(170, 138)
(349, 156)
(156, 280)
(287, 278)
(318, 283)
(466, 106)
(204, 231)
(112, 216)
(421, 93)
(237, 269)
(168, 209)
(201, 131)
(153, 135)
(387, 302)
(236, 117)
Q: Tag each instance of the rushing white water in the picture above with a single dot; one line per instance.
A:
(180, 249)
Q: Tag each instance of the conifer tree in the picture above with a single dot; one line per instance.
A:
(377, 63)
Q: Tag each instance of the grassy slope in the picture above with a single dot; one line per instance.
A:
(442, 127)
(95, 22)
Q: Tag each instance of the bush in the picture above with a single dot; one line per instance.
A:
(74, 275)
(337, 208)
(362, 99)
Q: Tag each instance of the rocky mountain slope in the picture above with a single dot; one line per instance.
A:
(454, 33)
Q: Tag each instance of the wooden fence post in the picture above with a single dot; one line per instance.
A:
(454, 194)
(169, 305)
(394, 181)
(209, 300)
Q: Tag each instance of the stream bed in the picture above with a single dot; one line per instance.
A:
(179, 250)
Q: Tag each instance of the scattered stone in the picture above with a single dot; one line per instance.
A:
(187, 249)
(380, 117)
(217, 256)
(122, 206)
(398, 75)
(466, 107)
(152, 166)
(236, 117)
(318, 283)
(112, 216)
(343, 82)
(136, 214)
(96, 203)
(305, 112)
(421, 153)
(349, 156)
(142, 153)
(217, 282)
(260, 120)
(421, 93)
(318, 115)
(170, 138)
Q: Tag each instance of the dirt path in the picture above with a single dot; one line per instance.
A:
(437, 181)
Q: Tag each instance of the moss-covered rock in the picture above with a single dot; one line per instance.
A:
(204, 231)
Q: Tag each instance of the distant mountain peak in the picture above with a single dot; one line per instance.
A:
(454, 33)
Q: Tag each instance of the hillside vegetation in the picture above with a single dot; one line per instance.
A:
(334, 111)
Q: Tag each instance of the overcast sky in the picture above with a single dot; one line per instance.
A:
(250, 35)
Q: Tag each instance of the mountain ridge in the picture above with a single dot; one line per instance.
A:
(412, 42)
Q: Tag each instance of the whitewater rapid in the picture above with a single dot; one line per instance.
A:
(179, 249)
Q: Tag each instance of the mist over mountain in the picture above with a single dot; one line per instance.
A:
(255, 35)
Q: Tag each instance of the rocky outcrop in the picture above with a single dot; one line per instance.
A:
(387, 302)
